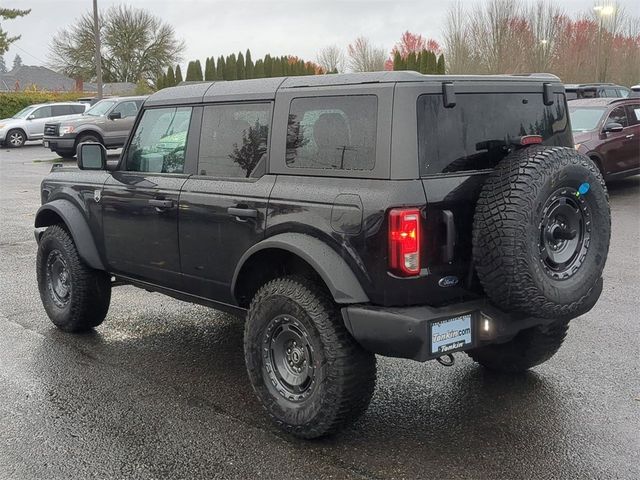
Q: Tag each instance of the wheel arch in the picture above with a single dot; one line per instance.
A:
(289, 253)
(21, 130)
(64, 212)
(88, 131)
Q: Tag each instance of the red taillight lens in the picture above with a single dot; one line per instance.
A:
(404, 241)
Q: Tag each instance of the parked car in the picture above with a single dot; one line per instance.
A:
(108, 122)
(28, 123)
(596, 90)
(608, 131)
(635, 91)
(345, 216)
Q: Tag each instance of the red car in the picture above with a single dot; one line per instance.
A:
(608, 131)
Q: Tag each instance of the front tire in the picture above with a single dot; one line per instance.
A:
(527, 349)
(15, 138)
(310, 375)
(75, 296)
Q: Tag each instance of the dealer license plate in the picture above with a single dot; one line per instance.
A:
(46, 144)
(451, 334)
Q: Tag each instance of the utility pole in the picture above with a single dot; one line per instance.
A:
(96, 32)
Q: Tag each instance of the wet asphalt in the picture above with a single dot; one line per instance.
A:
(160, 391)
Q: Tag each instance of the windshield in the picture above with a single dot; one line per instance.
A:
(585, 119)
(100, 108)
(24, 112)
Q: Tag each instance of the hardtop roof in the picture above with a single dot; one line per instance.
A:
(266, 88)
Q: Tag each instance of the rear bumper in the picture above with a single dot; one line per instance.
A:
(405, 332)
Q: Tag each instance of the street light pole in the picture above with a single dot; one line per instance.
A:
(98, 58)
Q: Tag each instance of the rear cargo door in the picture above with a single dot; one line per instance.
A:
(458, 146)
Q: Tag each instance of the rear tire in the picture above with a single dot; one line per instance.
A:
(75, 296)
(529, 348)
(86, 138)
(310, 375)
(66, 155)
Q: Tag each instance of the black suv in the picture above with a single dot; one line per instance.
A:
(387, 213)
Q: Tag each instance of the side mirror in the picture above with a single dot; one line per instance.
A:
(613, 127)
(31, 117)
(115, 115)
(91, 156)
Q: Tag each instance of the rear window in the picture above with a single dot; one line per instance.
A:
(475, 134)
(335, 133)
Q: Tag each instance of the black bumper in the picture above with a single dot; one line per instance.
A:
(405, 331)
(60, 144)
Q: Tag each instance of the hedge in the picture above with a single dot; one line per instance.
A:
(12, 102)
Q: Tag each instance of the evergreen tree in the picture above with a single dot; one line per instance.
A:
(412, 63)
(198, 71)
(189, 76)
(240, 67)
(276, 68)
(169, 79)
(249, 67)
(431, 63)
(424, 61)
(397, 61)
(160, 82)
(209, 69)
(258, 71)
(231, 71)
(268, 66)
(220, 68)
(178, 75)
(440, 67)
(17, 61)
(3, 66)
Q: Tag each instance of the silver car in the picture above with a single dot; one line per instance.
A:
(28, 123)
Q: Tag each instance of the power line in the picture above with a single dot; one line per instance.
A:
(31, 55)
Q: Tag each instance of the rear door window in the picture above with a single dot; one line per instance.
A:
(59, 110)
(633, 113)
(332, 133)
(477, 132)
(233, 142)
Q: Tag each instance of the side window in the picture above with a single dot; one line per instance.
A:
(633, 114)
(77, 108)
(623, 93)
(59, 110)
(233, 142)
(42, 112)
(332, 132)
(159, 142)
(610, 92)
(618, 115)
(126, 109)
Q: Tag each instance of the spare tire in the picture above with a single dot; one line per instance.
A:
(541, 233)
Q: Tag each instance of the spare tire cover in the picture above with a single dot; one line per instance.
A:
(541, 232)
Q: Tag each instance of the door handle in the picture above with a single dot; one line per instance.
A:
(161, 204)
(242, 212)
(630, 136)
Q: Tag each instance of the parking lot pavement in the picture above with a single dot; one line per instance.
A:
(159, 390)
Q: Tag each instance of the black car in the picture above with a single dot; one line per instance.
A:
(596, 90)
(387, 213)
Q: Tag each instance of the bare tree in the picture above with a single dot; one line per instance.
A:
(460, 55)
(331, 59)
(135, 45)
(545, 19)
(364, 57)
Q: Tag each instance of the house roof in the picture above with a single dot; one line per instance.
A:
(42, 78)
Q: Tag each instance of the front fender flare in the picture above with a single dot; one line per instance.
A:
(332, 268)
(77, 226)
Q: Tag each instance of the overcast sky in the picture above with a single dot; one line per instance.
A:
(213, 27)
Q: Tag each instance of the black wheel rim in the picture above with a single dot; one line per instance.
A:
(565, 233)
(288, 358)
(58, 279)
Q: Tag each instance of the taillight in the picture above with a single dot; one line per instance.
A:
(404, 241)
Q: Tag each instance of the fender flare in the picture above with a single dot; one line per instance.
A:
(77, 226)
(332, 268)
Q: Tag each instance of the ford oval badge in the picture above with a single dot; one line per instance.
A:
(450, 281)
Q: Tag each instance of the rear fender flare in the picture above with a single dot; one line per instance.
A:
(328, 264)
(76, 223)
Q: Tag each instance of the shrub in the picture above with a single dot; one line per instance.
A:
(12, 102)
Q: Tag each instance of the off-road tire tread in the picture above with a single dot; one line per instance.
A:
(500, 229)
(351, 370)
(91, 289)
(529, 348)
